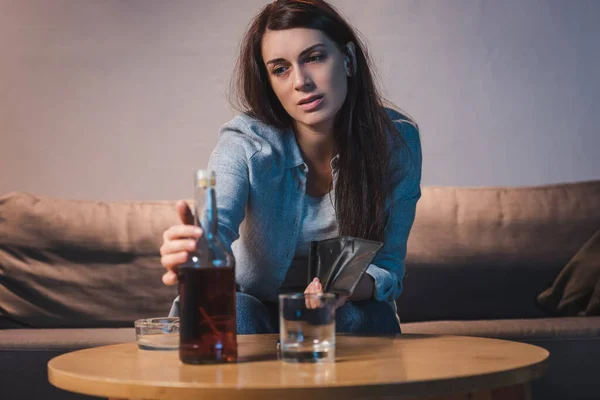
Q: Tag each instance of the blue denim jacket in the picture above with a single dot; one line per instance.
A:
(261, 181)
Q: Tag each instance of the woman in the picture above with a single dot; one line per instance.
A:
(314, 155)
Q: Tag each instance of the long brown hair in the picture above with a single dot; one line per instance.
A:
(362, 127)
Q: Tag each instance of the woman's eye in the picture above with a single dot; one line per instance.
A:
(279, 70)
(315, 58)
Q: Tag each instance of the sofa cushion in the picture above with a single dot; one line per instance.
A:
(485, 253)
(433, 292)
(68, 263)
(576, 290)
(63, 340)
(557, 328)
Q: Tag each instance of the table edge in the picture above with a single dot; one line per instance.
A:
(97, 386)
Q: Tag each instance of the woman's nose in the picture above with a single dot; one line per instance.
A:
(302, 80)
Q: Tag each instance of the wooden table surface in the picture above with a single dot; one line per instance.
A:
(366, 367)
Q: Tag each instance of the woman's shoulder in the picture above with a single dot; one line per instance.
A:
(406, 129)
(250, 127)
(405, 125)
(396, 115)
(245, 137)
(406, 154)
(247, 133)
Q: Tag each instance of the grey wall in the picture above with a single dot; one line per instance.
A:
(107, 99)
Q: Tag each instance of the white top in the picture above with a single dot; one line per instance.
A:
(318, 223)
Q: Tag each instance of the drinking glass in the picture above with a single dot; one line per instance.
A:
(307, 327)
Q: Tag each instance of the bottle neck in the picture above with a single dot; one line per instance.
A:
(206, 217)
(206, 212)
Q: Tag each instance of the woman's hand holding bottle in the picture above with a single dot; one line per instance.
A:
(178, 242)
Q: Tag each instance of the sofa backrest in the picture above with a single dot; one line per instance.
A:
(473, 253)
(66, 263)
(486, 253)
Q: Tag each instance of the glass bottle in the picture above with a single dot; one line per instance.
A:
(207, 287)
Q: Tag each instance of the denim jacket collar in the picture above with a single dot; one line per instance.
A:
(292, 150)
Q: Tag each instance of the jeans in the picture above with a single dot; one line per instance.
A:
(361, 317)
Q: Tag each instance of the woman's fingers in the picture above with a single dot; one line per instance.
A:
(185, 214)
(169, 278)
(182, 231)
(178, 241)
(177, 246)
(308, 290)
(313, 288)
(316, 302)
(173, 260)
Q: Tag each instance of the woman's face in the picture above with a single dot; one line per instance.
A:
(307, 73)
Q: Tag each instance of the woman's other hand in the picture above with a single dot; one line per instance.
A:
(316, 287)
(178, 241)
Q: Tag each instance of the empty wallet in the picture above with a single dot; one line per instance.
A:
(340, 262)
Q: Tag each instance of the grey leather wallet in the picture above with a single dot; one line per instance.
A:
(340, 262)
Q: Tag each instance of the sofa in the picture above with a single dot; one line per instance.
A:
(76, 274)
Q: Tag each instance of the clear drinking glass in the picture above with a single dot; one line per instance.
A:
(307, 327)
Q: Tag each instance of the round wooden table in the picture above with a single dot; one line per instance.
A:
(431, 367)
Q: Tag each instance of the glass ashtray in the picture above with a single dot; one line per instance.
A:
(157, 333)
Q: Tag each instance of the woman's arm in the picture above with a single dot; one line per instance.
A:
(365, 288)
(387, 269)
(229, 160)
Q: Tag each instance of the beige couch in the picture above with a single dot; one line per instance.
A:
(75, 274)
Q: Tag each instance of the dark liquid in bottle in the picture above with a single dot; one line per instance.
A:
(207, 315)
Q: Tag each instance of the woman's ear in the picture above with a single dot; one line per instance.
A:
(350, 59)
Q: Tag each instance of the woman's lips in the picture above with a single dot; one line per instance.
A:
(312, 105)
